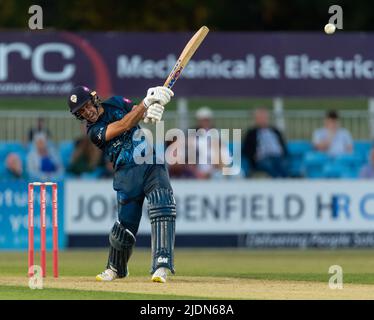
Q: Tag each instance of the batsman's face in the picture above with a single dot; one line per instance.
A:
(89, 112)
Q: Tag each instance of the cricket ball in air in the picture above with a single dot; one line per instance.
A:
(330, 28)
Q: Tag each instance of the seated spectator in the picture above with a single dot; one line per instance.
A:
(332, 139)
(265, 148)
(213, 153)
(367, 171)
(86, 157)
(13, 168)
(181, 169)
(43, 162)
(40, 128)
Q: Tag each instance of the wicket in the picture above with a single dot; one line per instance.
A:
(43, 249)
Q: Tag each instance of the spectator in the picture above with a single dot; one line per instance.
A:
(332, 139)
(265, 148)
(40, 128)
(13, 168)
(207, 147)
(86, 157)
(181, 169)
(367, 171)
(43, 162)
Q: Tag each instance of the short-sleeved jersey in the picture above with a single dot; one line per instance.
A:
(119, 150)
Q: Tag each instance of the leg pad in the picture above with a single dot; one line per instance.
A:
(122, 242)
(162, 214)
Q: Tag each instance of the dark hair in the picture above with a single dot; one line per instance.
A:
(332, 114)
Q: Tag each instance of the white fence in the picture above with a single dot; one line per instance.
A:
(297, 124)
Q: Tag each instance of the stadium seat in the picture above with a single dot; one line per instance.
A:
(296, 167)
(350, 174)
(11, 146)
(2, 171)
(2, 146)
(339, 170)
(352, 161)
(297, 150)
(362, 148)
(333, 170)
(299, 147)
(8, 147)
(314, 163)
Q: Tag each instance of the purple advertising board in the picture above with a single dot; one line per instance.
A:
(227, 64)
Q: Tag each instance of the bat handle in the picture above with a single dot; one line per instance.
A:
(167, 85)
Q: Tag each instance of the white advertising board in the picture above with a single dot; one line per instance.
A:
(230, 207)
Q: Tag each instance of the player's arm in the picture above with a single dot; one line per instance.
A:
(129, 121)
(151, 107)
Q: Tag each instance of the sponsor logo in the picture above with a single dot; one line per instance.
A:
(175, 76)
(99, 135)
(116, 143)
(38, 56)
(162, 260)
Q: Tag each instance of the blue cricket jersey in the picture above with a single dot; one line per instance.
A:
(119, 150)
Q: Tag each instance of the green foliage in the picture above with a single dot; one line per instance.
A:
(182, 15)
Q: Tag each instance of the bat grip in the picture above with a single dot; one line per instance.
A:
(167, 85)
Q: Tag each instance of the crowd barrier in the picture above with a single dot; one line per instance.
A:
(247, 213)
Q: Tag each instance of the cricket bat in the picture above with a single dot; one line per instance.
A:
(185, 56)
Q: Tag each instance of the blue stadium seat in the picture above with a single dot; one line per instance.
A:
(296, 167)
(350, 174)
(314, 163)
(2, 170)
(339, 170)
(3, 154)
(3, 146)
(362, 148)
(12, 146)
(66, 150)
(299, 147)
(297, 150)
(352, 161)
(334, 170)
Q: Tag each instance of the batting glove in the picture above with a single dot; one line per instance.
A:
(161, 95)
(154, 113)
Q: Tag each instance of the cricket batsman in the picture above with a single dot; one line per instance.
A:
(111, 125)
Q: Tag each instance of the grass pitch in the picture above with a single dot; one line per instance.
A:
(201, 274)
